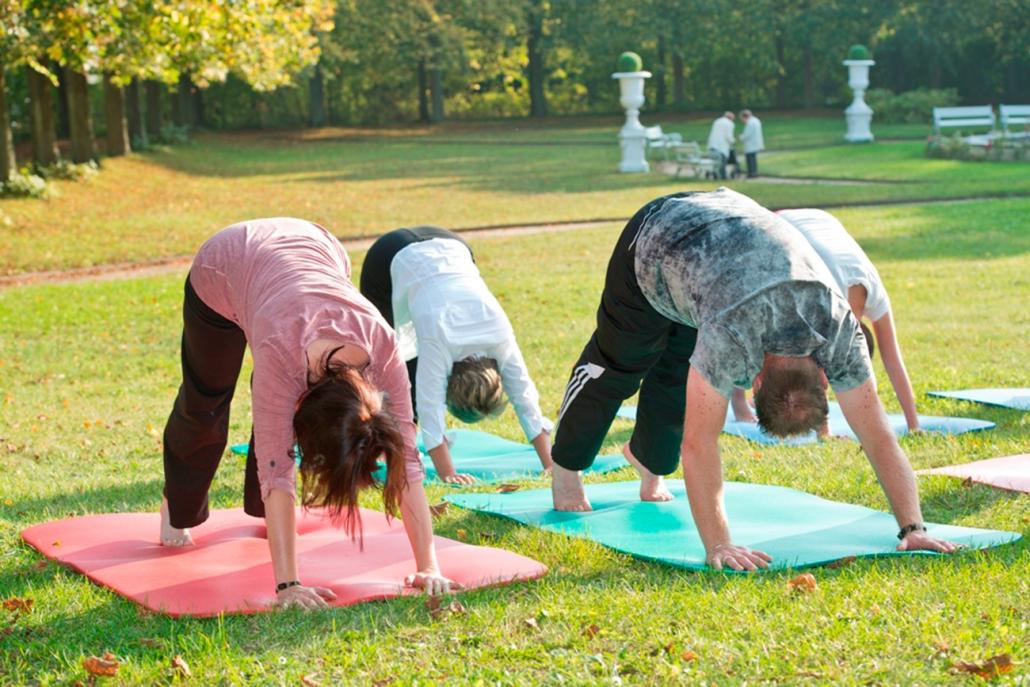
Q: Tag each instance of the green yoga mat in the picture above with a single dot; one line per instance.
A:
(491, 458)
(797, 529)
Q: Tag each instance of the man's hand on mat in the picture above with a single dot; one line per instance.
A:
(308, 598)
(920, 541)
(458, 478)
(737, 557)
(432, 582)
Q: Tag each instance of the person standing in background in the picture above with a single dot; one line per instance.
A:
(720, 142)
(753, 142)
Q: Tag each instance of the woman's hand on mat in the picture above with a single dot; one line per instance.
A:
(458, 478)
(921, 541)
(308, 598)
(737, 557)
(432, 582)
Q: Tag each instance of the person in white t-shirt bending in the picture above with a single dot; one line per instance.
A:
(720, 142)
(458, 343)
(860, 283)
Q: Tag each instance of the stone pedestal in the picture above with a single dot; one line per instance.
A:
(858, 115)
(632, 140)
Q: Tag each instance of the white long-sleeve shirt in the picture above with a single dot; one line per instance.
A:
(751, 137)
(720, 138)
(848, 263)
(443, 313)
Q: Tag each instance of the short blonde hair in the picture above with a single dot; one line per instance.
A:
(474, 390)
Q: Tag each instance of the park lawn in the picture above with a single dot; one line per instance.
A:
(166, 202)
(90, 372)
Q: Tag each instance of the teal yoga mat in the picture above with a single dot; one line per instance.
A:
(839, 426)
(491, 458)
(1018, 399)
(797, 529)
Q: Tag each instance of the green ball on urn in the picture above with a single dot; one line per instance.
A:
(859, 52)
(630, 62)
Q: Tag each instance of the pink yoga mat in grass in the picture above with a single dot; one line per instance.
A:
(229, 569)
(1011, 472)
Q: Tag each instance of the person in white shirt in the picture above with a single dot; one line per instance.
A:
(720, 141)
(458, 343)
(753, 142)
(858, 281)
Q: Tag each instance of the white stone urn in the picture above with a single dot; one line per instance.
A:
(632, 140)
(858, 115)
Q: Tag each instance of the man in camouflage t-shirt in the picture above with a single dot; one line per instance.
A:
(706, 292)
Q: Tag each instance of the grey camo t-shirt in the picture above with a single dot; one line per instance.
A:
(751, 284)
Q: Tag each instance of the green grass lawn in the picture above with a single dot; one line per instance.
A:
(89, 373)
(166, 202)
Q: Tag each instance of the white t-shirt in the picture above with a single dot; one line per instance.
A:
(444, 312)
(751, 137)
(721, 136)
(848, 263)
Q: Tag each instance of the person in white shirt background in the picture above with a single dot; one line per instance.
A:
(859, 281)
(458, 343)
(720, 141)
(752, 139)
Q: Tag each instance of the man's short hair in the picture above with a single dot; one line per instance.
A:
(745, 113)
(791, 400)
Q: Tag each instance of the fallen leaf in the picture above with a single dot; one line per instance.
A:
(487, 536)
(461, 534)
(57, 542)
(105, 667)
(147, 641)
(967, 482)
(531, 623)
(437, 609)
(39, 565)
(591, 631)
(180, 666)
(940, 648)
(439, 509)
(990, 668)
(841, 562)
(383, 682)
(805, 582)
(19, 605)
(310, 680)
(688, 656)
(507, 488)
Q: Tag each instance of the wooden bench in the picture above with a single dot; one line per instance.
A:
(659, 140)
(978, 116)
(1014, 114)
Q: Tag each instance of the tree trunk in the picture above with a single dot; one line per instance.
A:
(134, 113)
(154, 114)
(659, 75)
(316, 92)
(64, 128)
(41, 118)
(78, 116)
(781, 77)
(8, 165)
(809, 77)
(436, 86)
(679, 81)
(535, 69)
(114, 114)
(423, 87)
(181, 110)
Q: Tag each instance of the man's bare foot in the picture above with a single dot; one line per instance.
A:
(652, 486)
(172, 536)
(567, 490)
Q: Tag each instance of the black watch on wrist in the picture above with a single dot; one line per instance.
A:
(286, 585)
(913, 527)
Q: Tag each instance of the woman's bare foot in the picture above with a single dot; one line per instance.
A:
(567, 490)
(652, 486)
(172, 536)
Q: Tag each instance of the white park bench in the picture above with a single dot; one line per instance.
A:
(976, 117)
(659, 140)
(1018, 115)
(689, 157)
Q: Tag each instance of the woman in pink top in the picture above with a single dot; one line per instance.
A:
(327, 377)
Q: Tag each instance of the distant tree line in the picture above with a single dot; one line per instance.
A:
(289, 63)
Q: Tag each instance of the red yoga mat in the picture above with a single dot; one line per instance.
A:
(229, 569)
(1010, 472)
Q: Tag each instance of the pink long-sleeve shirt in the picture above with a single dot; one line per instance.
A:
(286, 283)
